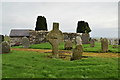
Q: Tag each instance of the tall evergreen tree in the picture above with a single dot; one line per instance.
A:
(83, 27)
(41, 23)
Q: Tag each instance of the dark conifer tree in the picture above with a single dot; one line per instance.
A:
(83, 27)
(41, 23)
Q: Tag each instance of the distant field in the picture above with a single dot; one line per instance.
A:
(87, 47)
(26, 64)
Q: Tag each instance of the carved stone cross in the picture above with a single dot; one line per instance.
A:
(55, 37)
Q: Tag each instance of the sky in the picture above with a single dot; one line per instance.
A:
(101, 16)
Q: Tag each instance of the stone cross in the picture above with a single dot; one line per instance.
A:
(104, 45)
(78, 40)
(92, 43)
(77, 52)
(55, 37)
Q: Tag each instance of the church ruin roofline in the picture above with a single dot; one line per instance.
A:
(20, 32)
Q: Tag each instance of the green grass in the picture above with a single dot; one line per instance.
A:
(23, 64)
(87, 47)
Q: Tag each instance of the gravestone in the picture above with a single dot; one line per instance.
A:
(110, 42)
(104, 45)
(55, 37)
(25, 42)
(5, 47)
(85, 38)
(41, 23)
(77, 52)
(116, 42)
(78, 40)
(68, 45)
(92, 43)
(7, 38)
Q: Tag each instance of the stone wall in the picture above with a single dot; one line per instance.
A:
(37, 37)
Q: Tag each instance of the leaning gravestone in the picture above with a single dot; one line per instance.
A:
(55, 37)
(68, 45)
(5, 47)
(78, 40)
(92, 43)
(104, 45)
(25, 42)
(85, 38)
(77, 52)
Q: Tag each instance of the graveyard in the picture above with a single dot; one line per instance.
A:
(41, 53)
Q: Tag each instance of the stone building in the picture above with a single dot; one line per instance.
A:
(17, 34)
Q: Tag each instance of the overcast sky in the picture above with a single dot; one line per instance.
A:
(101, 16)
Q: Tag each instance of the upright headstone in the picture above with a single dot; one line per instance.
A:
(85, 38)
(78, 40)
(68, 45)
(55, 37)
(5, 47)
(41, 23)
(7, 38)
(77, 52)
(110, 42)
(25, 42)
(116, 42)
(92, 43)
(104, 45)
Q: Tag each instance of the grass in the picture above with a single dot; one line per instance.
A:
(87, 47)
(23, 64)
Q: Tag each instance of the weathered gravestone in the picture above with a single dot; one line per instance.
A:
(116, 42)
(68, 45)
(92, 43)
(5, 47)
(7, 38)
(78, 40)
(25, 42)
(104, 45)
(110, 42)
(41, 23)
(85, 38)
(55, 37)
(77, 52)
